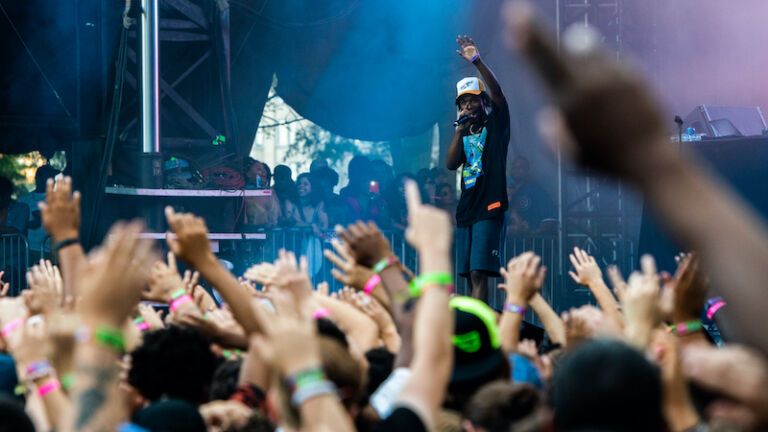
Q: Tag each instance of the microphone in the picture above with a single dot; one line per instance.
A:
(679, 120)
(461, 120)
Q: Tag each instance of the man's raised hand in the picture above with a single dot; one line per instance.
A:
(468, 47)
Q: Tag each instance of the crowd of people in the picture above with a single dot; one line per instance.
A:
(122, 339)
(373, 193)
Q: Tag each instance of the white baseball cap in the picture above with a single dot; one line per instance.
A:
(472, 85)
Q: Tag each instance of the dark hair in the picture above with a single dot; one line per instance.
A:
(499, 405)
(6, 189)
(459, 393)
(248, 162)
(381, 362)
(170, 415)
(315, 195)
(607, 385)
(327, 175)
(14, 419)
(358, 168)
(395, 201)
(174, 362)
(483, 96)
(42, 175)
(329, 329)
(283, 173)
(224, 382)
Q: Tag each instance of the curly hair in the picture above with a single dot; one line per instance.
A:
(174, 362)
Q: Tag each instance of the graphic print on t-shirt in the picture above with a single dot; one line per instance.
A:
(473, 151)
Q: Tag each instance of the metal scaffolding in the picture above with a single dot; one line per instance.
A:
(593, 211)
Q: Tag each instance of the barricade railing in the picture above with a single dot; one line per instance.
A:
(14, 260)
(243, 253)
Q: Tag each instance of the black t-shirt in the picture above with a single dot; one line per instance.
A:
(401, 420)
(484, 180)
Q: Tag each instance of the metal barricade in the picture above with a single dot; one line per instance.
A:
(14, 260)
(244, 253)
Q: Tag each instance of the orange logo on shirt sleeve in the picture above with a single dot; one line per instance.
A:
(495, 205)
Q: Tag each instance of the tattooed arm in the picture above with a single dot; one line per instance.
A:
(96, 395)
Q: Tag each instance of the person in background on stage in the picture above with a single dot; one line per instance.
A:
(479, 147)
(446, 199)
(285, 190)
(326, 179)
(36, 235)
(14, 215)
(395, 197)
(362, 195)
(260, 211)
(531, 210)
(427, 180)
(309, 209)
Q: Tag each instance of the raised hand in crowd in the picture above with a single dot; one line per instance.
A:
(4, 286)
(45, 293)
(641, 303)
(60, 214)
(587, 272)
(290, 345)
(523, 278)
(191, 244)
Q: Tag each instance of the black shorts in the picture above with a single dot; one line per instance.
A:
(478, 246)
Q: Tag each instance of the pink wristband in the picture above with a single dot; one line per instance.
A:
(714, 308)
(321, 313)
(11, 326)
(371, 284)
(180, 301)
(142, 326)
(51, 385)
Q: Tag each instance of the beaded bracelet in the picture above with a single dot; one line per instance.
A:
(37, 370)
(688, 327)
(514, 308)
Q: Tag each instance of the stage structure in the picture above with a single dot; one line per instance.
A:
(172, 98)
(593, 210)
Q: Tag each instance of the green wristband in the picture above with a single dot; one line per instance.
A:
(178, 293)
(305, 377)
(383, 264)
(67, 380)
(687, 327)
(437, 278)
(110, 337)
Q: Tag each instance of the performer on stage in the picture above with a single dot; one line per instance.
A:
(479, 146)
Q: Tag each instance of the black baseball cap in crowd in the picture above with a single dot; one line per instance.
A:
(476, 340)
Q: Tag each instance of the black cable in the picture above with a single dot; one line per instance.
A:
(112, 126)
